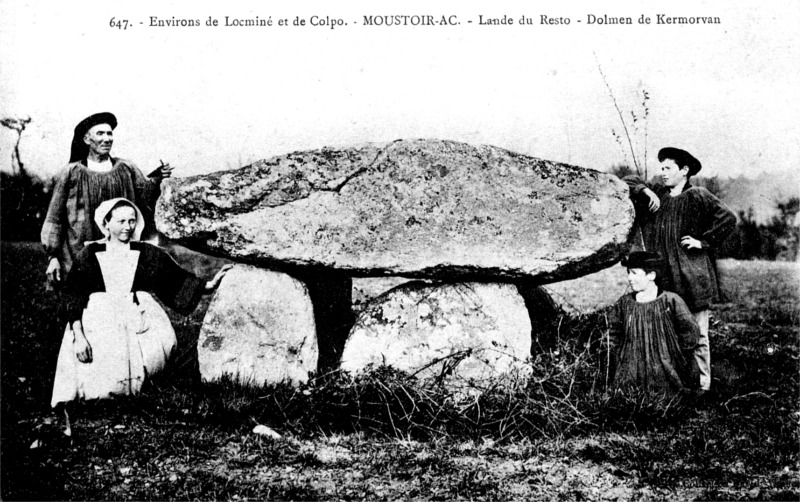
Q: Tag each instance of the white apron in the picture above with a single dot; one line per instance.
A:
(129, 341)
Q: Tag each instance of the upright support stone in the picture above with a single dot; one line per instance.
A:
(547, 317)
(259, 329)
(331, 295)
(467, 333)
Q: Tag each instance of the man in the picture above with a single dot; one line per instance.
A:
(91, 177)
(684, 224)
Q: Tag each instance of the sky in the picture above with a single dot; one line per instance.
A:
(211, 98)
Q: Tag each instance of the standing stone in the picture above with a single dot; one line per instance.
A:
(259, 329)
(415, 208)
(331, 294)
(548, 319)
(471, 332)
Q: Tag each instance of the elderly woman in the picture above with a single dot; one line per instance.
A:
(91, 177)
(117, 335)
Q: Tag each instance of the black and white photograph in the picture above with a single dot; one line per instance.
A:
(399, 250)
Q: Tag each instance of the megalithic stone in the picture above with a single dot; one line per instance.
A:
(416, 208)
(465, 334)
(259, 330)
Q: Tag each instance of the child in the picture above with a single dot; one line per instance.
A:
(684, 224)
(659, 332)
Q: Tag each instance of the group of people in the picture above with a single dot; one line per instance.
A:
(117, 334)
(673, 277)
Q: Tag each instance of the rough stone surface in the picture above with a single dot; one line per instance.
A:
(416, 208)
(472, 332)
(545, 314)
(366, 289)
(259, 329)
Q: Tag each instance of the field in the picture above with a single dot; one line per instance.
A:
(386, 438)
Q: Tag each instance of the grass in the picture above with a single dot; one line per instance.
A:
(385, 436)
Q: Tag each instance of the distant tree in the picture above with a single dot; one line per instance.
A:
(785, 230)
(712, 184)
(747, 241)
(17, 124)
(23, 196)
(777, 240)
(788, 211)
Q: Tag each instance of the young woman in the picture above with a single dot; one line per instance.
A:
(117, 335)
(659, 333)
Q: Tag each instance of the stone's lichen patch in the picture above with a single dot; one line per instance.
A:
(212, 343)
(418, 208)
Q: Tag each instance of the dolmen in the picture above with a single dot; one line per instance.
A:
(478, 225)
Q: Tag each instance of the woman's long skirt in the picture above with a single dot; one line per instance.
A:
(129, 342)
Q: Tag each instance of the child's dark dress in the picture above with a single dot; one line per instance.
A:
(659, 338)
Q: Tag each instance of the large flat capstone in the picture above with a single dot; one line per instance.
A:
(416, 208)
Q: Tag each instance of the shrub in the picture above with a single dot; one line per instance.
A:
(23, 206)
(566, 394)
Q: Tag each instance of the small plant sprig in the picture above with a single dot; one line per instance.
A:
(638, 125)
(618, 139)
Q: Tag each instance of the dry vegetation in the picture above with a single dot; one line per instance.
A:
(385, 436)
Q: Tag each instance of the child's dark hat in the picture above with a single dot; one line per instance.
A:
(644, 260)
(681, 157)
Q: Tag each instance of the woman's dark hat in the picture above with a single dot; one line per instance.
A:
(644, 260)
(681, 157)
(79, 149)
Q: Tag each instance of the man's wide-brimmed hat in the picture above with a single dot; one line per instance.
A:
(80, 149)
(681, 157)
(106, 207)
(644, 260)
